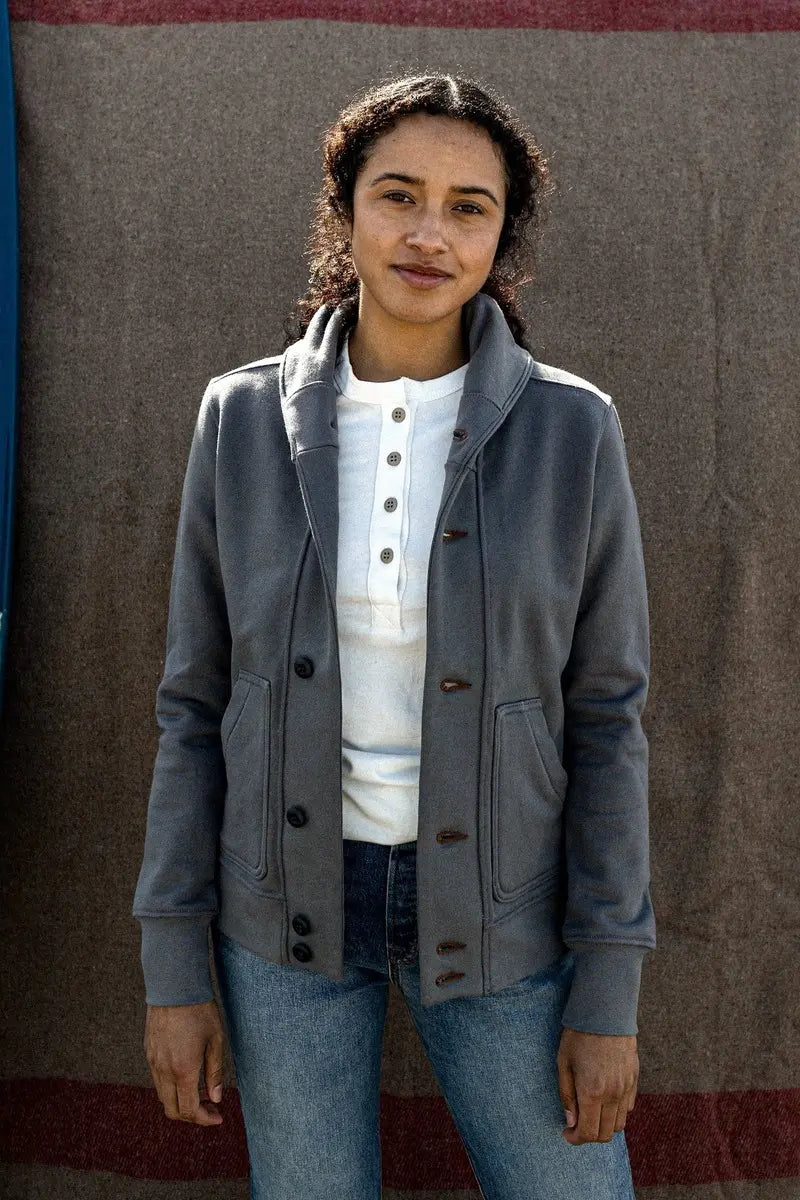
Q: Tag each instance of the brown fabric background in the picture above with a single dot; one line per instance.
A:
(166, 176)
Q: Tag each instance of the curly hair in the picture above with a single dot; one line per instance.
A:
(346, 147)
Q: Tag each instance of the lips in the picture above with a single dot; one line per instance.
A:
(420, 269)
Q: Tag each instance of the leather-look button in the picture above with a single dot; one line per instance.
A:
(449, 947)
(450, 534)
(304, 667)
(296, 815)
(448, 977)
(301, 924)
(459, 434)
(450, 835)
(302, 952)
(454, 685)
(398, 414)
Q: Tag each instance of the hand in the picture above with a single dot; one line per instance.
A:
(180, 1041)
(598, 1075)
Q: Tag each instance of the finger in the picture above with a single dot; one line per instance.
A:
(566, 1091)
(589, 1109)
(165, 1090)
(188, 1095)
(168, 1094)
(608, 1121)
(630, 1095)
(213, 1066)
(190, 1106)
(622, 1115)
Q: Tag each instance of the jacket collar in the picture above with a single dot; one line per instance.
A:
(498, 370)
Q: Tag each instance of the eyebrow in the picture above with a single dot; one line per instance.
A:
(462, 191)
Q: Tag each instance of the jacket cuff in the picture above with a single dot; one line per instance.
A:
(175, 959)
(604, 996)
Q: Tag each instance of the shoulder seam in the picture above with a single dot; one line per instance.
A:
(540, 374)
(272, 360)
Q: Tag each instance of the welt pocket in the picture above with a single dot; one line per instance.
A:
(245, 737)
(528, 789)
(238, 700)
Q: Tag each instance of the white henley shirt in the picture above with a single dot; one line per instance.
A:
(394, 438)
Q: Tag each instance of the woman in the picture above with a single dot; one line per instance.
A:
(408, 619)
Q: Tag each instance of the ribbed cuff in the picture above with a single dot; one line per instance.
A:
(604, 996)
(175, 959)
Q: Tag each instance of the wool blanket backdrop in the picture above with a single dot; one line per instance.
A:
(168, 152)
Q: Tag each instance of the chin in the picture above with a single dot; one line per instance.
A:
(423, 309)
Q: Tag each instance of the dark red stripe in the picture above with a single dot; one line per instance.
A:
(595, 16)
(689, 1138)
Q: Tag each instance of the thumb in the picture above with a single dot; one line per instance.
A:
(566, 1088)
(213, 1068)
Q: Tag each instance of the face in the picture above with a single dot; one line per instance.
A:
(446, 215)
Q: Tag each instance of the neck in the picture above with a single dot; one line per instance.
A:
(382, 349)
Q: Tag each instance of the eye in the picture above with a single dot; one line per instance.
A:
(390, 195)
(475, 208)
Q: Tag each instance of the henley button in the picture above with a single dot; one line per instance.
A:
(393, 459)
(390, 504)
(387, 554)
(398, 414)
(296, 815)
(304, 667)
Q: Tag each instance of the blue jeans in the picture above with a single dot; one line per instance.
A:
(307, 1056)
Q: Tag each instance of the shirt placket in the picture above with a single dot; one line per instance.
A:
(389, 499)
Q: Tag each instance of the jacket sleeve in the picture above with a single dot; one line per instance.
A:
(609, 922)
(176, 893)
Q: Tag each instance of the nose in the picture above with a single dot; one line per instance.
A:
(428, 231)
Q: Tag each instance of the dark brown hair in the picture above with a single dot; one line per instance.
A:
(346, 147)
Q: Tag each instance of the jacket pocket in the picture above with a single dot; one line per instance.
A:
(245, 734)
(529, 784)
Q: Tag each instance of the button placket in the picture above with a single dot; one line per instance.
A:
(387, 509)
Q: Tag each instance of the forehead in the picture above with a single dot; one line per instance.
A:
(437, 145)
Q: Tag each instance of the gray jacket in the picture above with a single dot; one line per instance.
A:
(533, 817)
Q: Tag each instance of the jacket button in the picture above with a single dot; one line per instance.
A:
(449, 947)
(301, 924)
(448, 977)
(450, 835)
(459, 434)
(453, 685)
(303, 667)
(296, 815)
(450, 534)
(302, 952)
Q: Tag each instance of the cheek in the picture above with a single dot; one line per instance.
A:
(374, 228)
(479, 250)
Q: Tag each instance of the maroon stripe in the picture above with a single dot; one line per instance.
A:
(689, 1138)
(597, 16)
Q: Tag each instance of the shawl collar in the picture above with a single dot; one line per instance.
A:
(497, 372)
